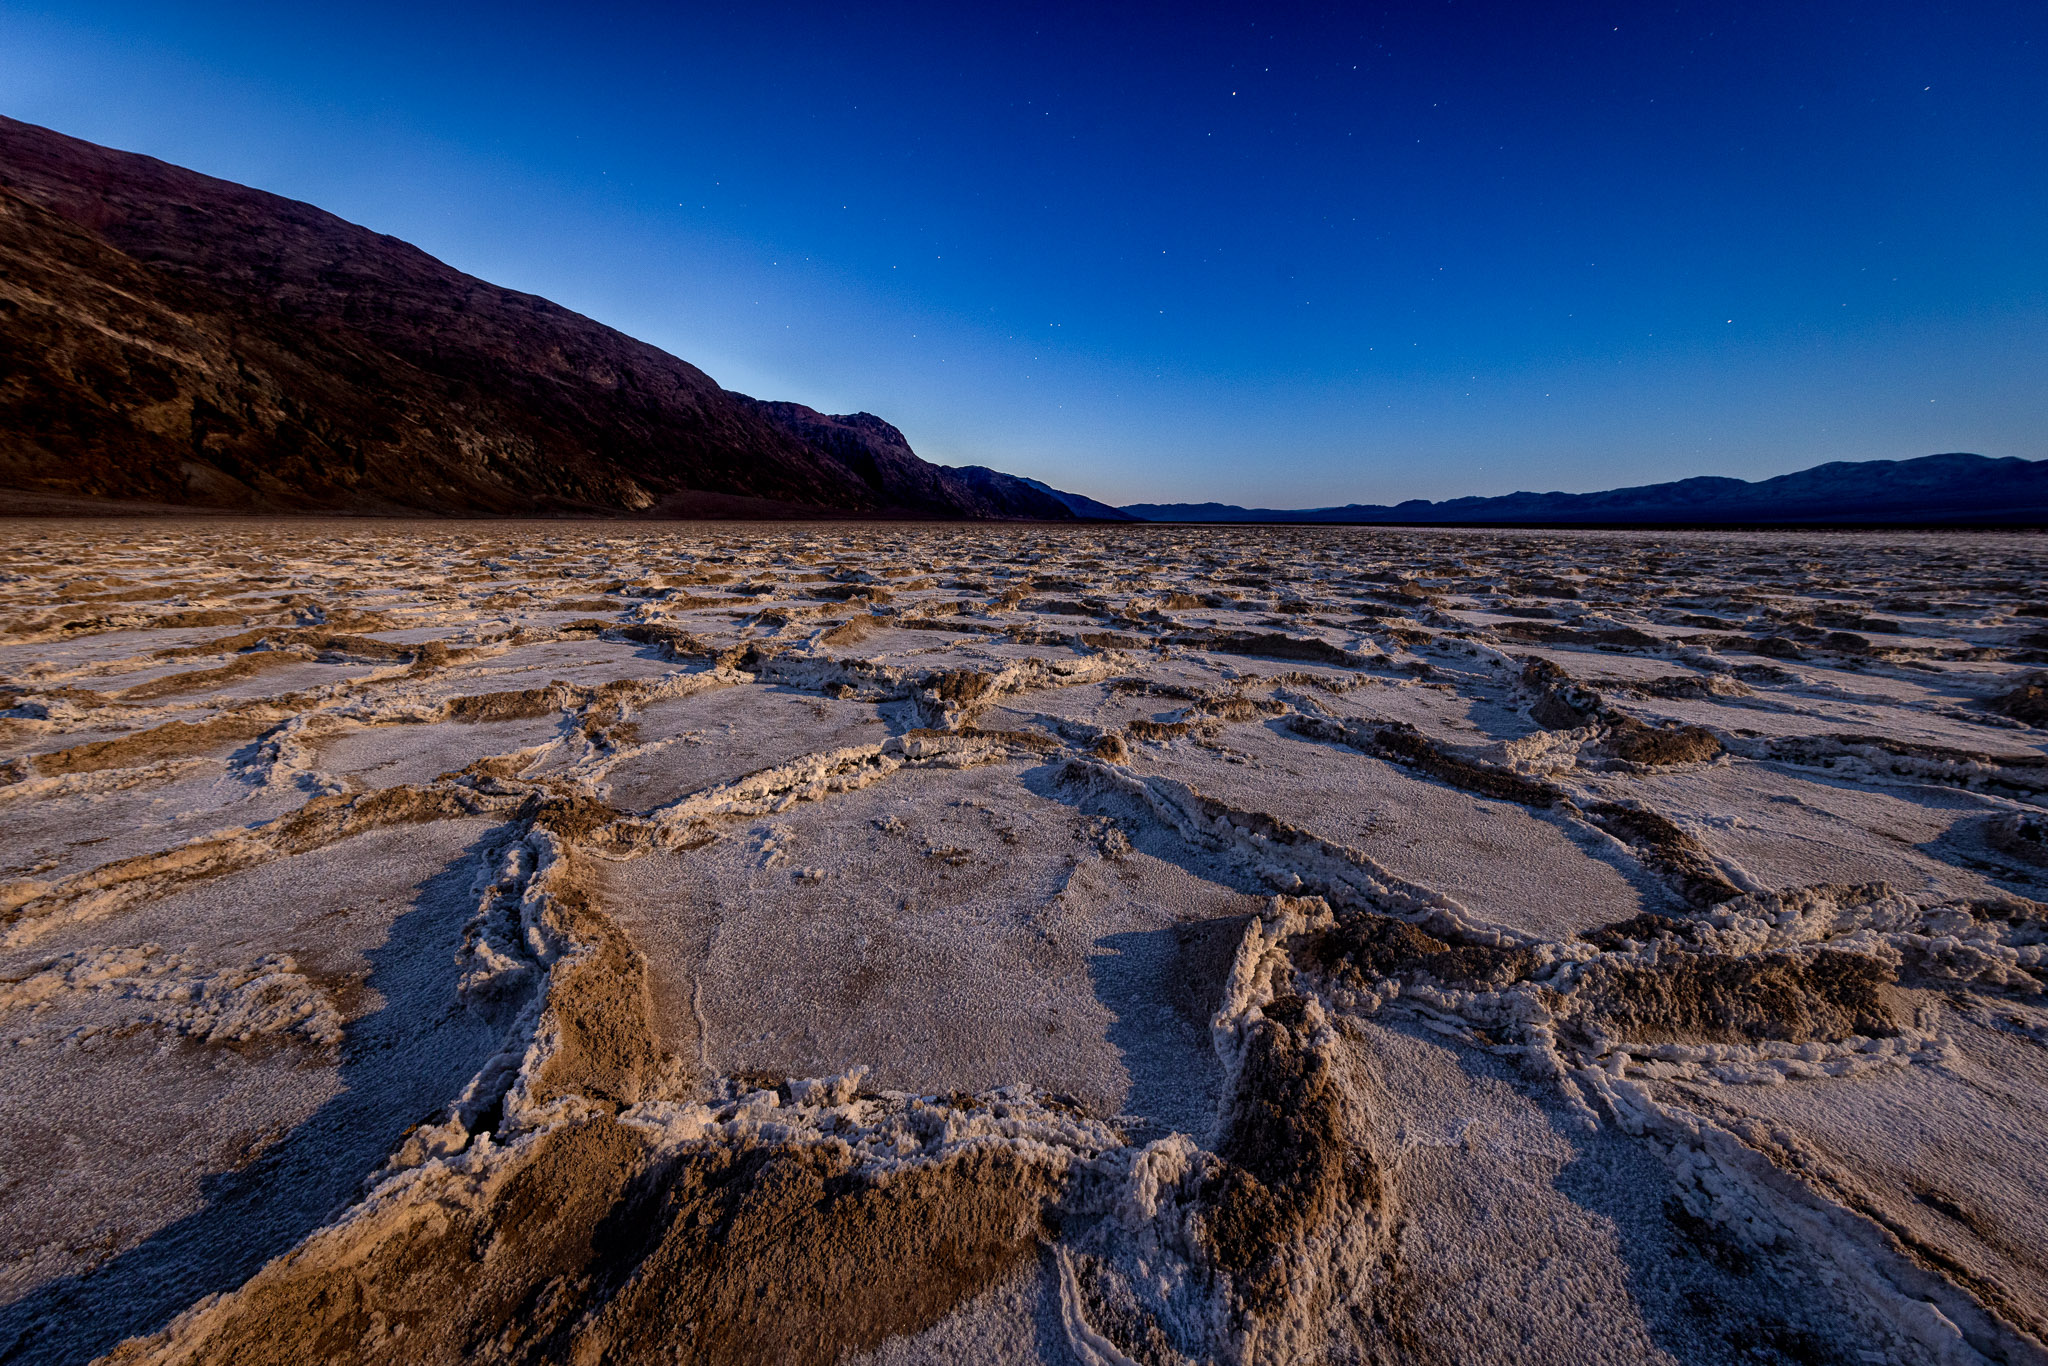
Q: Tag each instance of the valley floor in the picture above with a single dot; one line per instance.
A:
(552, 941)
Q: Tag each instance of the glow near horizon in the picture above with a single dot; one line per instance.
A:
(1435, 251)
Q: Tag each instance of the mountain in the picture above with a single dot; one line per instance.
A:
(877, 452)
(169, 338)
(1953, 489)
(1082, 506)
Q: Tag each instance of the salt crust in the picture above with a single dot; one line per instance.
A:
(1136, 1212)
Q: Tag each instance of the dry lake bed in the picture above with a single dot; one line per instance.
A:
(424, 942)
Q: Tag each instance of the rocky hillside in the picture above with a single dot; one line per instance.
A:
(168, 338)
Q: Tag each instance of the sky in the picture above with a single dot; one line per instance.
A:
(1278, 255)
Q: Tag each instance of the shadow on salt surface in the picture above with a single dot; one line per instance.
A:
(1800, 826)
(1974, 844)
(948, 942)
(68, 833)
(571, 661)
(39, 658)
(305, 676)
(393, 755)
(400, 1063)
(1504, 863)
(1772, 715)
(1160, 996)
(1466, 718)
(896, 646)
(716, 736)
(1018, 1322)
(1518, 1225)
(1946, 1159)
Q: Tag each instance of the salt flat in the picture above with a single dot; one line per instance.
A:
(600, 942)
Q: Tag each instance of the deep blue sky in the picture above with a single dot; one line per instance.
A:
(1282, 256)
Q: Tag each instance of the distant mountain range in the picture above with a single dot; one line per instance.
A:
(174, 340)
(1949, 490)
(1087, 507)
(170, 340)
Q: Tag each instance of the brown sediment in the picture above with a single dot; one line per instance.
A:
(321, 640)
(960, 687)
(1294, 1154)
(1300, 679)
(1157, 730)
(324, 820)
(792, 1255)
(2028, 702)
(1403, 632)
(851, 631)
(1364, 949)
(1022, 739)
(1563, 704)
(489, 1271)
(1557, 633)
(1660, 746)
(1238, 708)
(1403, 744)
(220, 616)
(951, 624)
(1273, 645)
(605, 726)
(848, 592)
(1671, 850)
(243, 666)
(1714, 998)
(574, 815)
(171, 740)
(689, 602)
(598, 1010)
(67, 619)
(675, 642)
(512, 705)
(1690, 686)
(1146, 686)
(2020, 835)
(1637, 929)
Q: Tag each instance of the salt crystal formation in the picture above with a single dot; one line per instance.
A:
(552, 942)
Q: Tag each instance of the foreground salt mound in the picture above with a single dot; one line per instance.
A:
(530, 944)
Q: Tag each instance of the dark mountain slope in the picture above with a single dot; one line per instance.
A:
(169, 337)
(1083, 506)
(1952, 489)
(877, 453)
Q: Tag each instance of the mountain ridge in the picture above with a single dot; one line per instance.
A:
(1954, 488)
(170, 338)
